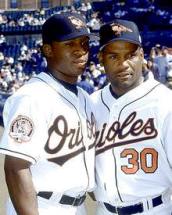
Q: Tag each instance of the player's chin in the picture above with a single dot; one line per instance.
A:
(127, 79)
(125, 82)
(127, 85)
(80, 68)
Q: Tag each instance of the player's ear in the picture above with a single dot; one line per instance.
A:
(142, 54)
(46, 50)
(100, 57)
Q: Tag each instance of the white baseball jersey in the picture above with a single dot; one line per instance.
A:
(134, 143)
(51, 127)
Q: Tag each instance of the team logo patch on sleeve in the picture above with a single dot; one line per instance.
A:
(21, 129)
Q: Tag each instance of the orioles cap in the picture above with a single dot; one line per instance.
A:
(64, 26)
(119, 29)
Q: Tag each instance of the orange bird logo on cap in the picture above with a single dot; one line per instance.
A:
(118, 29)
(77, 22)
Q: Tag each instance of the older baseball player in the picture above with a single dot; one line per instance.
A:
(134, 137)
(49, 128)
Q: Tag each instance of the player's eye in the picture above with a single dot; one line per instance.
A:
(112, 57)
(69, 44)
(132, 54)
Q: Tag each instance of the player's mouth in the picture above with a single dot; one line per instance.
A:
(125, 75)
(80, 62)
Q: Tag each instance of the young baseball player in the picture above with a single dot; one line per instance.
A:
(49, 128)
(134, 137)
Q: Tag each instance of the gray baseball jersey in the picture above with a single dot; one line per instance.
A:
(134, 143)
(51, 127)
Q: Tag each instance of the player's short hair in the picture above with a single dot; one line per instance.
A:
(119, 29)
(64, 26)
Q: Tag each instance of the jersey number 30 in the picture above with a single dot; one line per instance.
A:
(147, 160)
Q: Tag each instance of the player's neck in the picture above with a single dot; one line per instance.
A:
(59, 75)
(70, 86)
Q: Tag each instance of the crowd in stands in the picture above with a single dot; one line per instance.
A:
(136, 10)
(21, 58)
(159, 63)
(12, 22)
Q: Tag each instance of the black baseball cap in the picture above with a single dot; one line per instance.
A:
(119, 29)
(64, 26)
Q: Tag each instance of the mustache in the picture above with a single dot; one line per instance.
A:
(80, 59)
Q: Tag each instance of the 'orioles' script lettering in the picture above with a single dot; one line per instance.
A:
(70, 137)
(136, 128)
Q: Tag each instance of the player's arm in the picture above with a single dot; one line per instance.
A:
(20, 186)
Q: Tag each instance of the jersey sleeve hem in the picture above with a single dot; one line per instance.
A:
(18, 155)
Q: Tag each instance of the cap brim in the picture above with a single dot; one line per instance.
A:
(121, 39)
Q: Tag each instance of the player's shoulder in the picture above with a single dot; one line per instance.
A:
(37, 86)
(82, 91)
(96, 96)
(25, 91)
(85, 100)
(155, 88)
(163, 90)
(30, 90)
(22, 95)
(162, 95)
(84, 96)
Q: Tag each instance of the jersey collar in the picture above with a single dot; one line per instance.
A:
(130, 96)
(57, 84)
(68, 86)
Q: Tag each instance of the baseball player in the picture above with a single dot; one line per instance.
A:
(49, 128)
(134, 119)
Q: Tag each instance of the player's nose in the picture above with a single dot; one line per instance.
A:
(80, 52)
(123, 63)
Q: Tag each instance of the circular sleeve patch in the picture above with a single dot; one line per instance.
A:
(21, 129)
